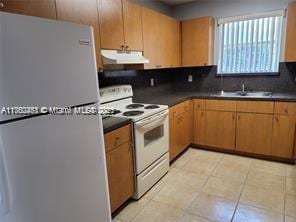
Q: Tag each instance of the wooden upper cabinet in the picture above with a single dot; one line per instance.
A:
(220, 129)
(120, 25)
(85, 13)
(132, 20)
(111, 24)
(39, 8)
(175, 43)
(253, 133)
(198, 41)
(151, 43)
(161, 40)
(170, 38)
(283, 136)
(290, 51)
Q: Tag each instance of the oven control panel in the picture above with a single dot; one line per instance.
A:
(113, 93)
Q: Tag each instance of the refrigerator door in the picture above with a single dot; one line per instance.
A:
(56, 170)
(45, 63)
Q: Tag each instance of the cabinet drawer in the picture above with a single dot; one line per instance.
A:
(199, 104)
(255, 107)
(117, 137)
(221, 105)
(180, 108)
(285, 108)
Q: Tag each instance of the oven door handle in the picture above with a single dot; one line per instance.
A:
(152, 119)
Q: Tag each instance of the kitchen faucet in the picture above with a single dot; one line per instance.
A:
(243, 88)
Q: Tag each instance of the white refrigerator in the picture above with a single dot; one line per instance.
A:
(52, 167)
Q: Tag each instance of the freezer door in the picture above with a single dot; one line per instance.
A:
(56, 170)
(45, 63)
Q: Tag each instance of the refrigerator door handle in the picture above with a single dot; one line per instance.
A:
(5, 196)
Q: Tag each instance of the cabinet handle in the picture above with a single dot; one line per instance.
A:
(238, 117)
(202, 113)
(122, 47)
(2, 5)
(276, 119)
(286, 110)
(126, 47)
(233, 116)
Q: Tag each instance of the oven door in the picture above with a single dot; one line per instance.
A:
(151, 139)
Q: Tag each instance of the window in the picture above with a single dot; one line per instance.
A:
(250, 44)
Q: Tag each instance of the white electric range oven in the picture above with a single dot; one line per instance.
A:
(150, 131)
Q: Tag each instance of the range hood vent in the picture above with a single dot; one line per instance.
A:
(115, 57)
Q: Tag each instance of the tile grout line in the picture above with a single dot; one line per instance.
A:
(201, 190)
(243, 186)
(139, 210)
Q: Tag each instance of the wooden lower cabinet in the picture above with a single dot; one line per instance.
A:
(199, 135)
(120, 175)
(180, 133)
(254, 132)
(283, 136)
(220, 129)
(119, 169)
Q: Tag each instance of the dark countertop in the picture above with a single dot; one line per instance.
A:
(174, 98)
(113, 123)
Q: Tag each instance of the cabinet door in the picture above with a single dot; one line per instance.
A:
(82, 12)
(40, 8)
(173, 134)
(220, 129)
(184, 130)
(197, 41)
(170, 37)
(151, 38)
(290, 51)
(176, 43)
(253, 133)
(111, 24)
(199, 127)
(133, 32)
(283, 136)
(120, 175)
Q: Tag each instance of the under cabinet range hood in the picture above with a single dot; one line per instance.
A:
(117, 57)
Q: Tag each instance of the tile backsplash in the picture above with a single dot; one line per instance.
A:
(204, 80)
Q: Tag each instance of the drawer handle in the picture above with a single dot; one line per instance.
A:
(286, 110)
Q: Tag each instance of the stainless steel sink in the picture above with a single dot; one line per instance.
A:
(258, 94)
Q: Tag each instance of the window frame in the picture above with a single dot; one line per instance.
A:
(282, 27)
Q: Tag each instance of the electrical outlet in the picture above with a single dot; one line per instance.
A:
(152, 82)
(190, 78)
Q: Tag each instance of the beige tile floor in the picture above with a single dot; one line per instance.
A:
(209, 186)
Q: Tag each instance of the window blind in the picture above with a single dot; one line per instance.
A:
(250, 45)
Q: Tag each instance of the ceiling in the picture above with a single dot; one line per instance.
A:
(176, 2)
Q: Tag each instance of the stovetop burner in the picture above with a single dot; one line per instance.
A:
(133, 113)
(152, 107)
(134, 106)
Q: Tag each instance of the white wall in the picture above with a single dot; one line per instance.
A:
(228, 8)
(155, 5)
